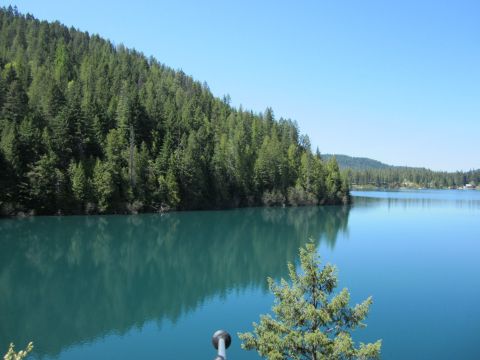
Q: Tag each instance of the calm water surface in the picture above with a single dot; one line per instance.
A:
(157, 287)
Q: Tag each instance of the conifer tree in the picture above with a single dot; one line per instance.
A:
(333, 181)
(16, 102)
(10, 145)
(311, 322)
(5, 178)
(79, 182)
(44, 184)
(103, 185)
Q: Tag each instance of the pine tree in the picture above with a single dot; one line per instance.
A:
(54, 100)
(10, 145)
(6, 183)
(169, 191)
(142, 170)
(44, 184)
(310, 321)
(3, 91)
(103, 186)
(16, 102)
(79, 182)
(192, 179)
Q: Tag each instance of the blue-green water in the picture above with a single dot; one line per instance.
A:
(157, 287)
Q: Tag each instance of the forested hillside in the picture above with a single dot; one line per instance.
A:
(394, 177)
(89, 127)
(356, 163)
(368, 172)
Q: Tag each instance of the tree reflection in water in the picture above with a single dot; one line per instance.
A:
(65, 280)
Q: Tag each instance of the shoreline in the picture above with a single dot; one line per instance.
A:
(32, 213)
(377, 188)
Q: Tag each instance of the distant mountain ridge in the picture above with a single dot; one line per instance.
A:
(364, 172)
(356, 163)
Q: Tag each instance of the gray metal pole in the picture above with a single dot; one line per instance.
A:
(221, 348)
(221, 341)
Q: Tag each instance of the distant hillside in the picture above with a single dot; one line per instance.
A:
(356, 163)
(365, 172)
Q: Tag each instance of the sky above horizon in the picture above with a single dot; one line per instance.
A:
(398, 82)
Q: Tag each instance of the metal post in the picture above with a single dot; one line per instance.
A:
(221, 340)
(221, 348)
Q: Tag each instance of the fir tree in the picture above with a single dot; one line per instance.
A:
(16, 102)
(311, 322)
(79, 182)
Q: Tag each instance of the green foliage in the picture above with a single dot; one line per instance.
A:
(10, 145)
(22, 354)
(5, 179)
(267, 170)
(273, 198)
(79, 182)
(15, 106)
(103, 184)
(310, 321)
(169, 192)
(44, 184)
(85, 124)
(297, 196)
(396, 177)
(334, 180)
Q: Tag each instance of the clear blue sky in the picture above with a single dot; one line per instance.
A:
(397, 81)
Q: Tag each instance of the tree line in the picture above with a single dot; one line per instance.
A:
(394, 177)
(90, 127)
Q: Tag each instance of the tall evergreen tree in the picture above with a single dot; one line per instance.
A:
(16, 103)
(79, 183)
(103, 186)
(44, 184)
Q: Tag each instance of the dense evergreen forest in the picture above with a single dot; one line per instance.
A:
(90, 127)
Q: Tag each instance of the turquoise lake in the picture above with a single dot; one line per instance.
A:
(157, 286)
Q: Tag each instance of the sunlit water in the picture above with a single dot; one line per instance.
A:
(157, 287)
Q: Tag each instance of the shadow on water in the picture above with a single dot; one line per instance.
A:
(67, 280)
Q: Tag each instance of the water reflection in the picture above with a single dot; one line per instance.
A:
(406, 202)
(65, 280)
